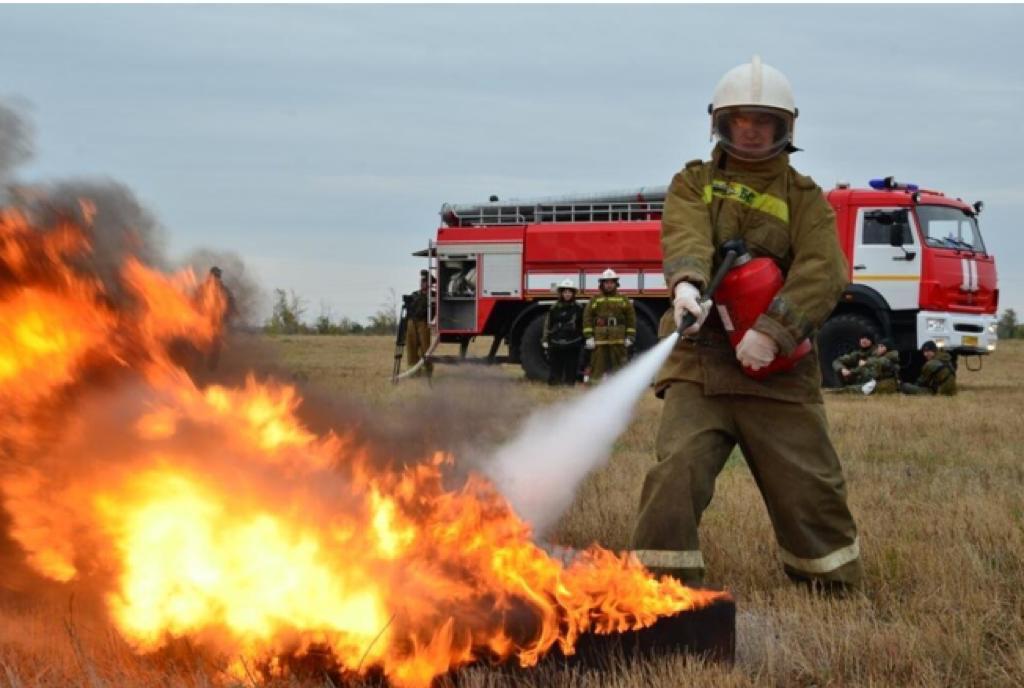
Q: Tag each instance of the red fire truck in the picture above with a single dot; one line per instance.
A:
(919, 270)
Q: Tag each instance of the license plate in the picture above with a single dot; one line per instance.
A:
(970, 341)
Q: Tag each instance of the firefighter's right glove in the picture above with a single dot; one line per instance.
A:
(756, 350)
(544, 345)
(687, 300)
(591, 343)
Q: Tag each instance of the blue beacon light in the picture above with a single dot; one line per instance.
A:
(889, 184)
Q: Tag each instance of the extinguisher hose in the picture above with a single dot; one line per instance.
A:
(726, 265)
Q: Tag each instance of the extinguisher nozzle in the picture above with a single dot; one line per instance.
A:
(688, 320)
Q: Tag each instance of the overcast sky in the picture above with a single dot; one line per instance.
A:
(320, 142)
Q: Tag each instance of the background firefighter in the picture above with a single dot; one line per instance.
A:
(417, 333)
(563, 335)
(609, 324)
(748, 190)
(230, 311)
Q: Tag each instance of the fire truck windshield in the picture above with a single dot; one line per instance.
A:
(946, 227)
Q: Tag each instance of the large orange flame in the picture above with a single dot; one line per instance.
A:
(215, 514)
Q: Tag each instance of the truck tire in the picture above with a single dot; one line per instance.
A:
(646, 334)
(840, 335)
(531, 353)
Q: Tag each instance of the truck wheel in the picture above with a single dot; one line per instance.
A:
(838, 336)
(646, 334)
(531, 353)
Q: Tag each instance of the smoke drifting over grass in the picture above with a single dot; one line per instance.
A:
(539, 470)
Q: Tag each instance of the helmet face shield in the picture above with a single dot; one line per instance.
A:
(753, 133)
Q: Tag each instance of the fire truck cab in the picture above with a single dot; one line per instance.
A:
(919, 270)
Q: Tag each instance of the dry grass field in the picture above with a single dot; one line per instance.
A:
(937, 486)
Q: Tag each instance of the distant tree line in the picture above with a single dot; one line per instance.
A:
(1008, 327)
(289, 309)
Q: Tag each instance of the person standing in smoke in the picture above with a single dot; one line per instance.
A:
(562, 338)
(230, 311)
(748, 191)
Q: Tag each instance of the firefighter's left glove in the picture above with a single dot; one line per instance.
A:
(591, 343)
(629, 342)
(544, 345)
(687, 300)
(756, 350)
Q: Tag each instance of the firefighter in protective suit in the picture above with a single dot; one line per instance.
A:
(562, 336)
(609, 326)
(417, 333)
(748, 191)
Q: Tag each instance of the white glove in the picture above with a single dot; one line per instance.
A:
(591, 343)
(687, 301)
(756, 350)
(544, 345)
(629, 342)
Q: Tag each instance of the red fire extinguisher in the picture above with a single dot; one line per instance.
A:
(745, 292)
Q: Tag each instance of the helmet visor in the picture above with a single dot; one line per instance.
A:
(753, 133)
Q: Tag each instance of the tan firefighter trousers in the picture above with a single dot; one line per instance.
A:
(417, 341)
(788, 450)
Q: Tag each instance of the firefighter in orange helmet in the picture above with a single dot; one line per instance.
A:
(748, 191)
(609, 327)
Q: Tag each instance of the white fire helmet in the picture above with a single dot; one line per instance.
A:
(567, 284)
(753, 96)
(609, 274)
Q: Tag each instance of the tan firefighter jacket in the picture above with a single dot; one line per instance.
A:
(780, 214)
(609, 320)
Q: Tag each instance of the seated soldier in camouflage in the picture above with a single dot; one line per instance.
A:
(884, 369)
(849, 368)
(938, 376)
(879, 373)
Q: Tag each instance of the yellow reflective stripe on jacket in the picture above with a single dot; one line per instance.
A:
(735, 191)
(670, 558)
(826, 564)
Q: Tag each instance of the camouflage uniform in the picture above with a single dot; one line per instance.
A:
(711, 405)
(563, 333)
(851, 361)
(417, 333)
(609, 319)
(937, 377)
(885, 371)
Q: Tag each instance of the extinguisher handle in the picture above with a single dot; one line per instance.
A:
(728, 260)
